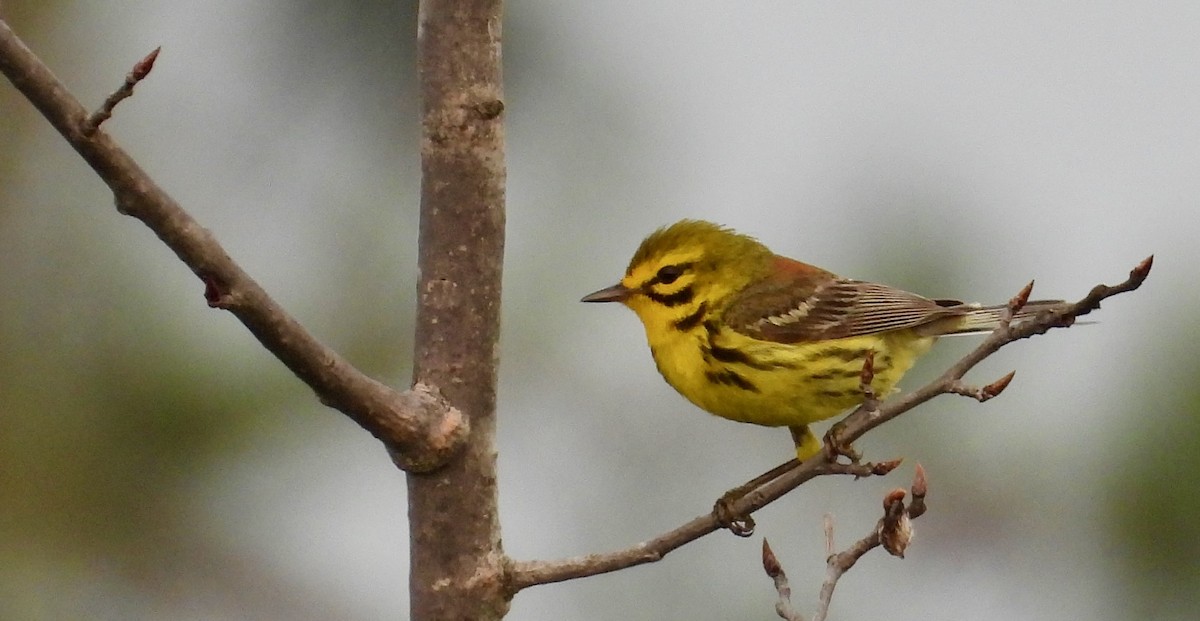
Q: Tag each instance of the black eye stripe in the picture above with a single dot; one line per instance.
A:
(689, 323)
(683, 296)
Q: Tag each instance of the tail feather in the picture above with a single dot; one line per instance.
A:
(987, 318)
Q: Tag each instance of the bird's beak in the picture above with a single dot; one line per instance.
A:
(615, 293)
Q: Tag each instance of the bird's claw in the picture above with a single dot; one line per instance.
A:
(835, 447)
(727, 517)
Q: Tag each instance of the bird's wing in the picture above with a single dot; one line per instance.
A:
(802, 305)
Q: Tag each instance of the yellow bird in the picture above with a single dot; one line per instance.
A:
(758, 338)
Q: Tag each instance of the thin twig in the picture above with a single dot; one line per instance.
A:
(135, 75)
(893, 529)
(982, 393)
(827, 524)
(783, 606)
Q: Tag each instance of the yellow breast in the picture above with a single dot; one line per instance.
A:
(776, 384)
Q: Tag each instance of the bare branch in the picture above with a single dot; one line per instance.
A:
(420, 429)
(523, 574)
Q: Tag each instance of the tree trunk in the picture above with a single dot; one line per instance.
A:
(456, 556)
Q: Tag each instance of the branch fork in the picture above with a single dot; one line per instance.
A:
(893, 532)
(417, 424)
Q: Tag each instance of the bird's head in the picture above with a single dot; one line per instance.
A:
(679, 268)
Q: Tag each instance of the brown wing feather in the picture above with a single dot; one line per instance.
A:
(813, 305)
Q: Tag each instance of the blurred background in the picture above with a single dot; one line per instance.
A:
(156, 463)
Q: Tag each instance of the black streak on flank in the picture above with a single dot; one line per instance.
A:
(837, 374)
(840, 353)
(683, 296)
(689, 323)
(724, 354)
(737, 356)
(734, 356)
(730, 378)
(831, 374)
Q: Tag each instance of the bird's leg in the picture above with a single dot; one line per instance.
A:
(805, 440)
(737, 523)
(807, 445)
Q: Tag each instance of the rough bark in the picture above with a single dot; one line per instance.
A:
(456, 558)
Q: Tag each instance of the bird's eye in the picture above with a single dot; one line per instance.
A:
(669, 274)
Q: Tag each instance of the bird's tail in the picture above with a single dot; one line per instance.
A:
(987, 318)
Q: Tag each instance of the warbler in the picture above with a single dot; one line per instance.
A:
(755, 337)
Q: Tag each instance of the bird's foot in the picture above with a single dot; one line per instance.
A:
(835, 447)
(730, 518)
(739, 522)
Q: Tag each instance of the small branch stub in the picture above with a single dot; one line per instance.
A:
(770, 561)
(1017, 302)
(827, 526)
(783, 606)
(135, 75)
(489, 109)
(884, 468)
(1100, 292)
(214, 294)
(867, 377)
(442, 440)
(1141, 270)
(920, 487)
(984, 393)
(995, 388)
